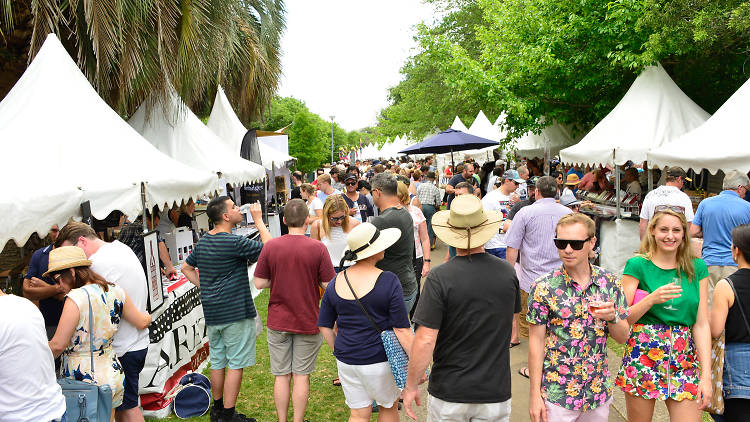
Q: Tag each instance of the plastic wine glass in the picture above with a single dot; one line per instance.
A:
(675, 282)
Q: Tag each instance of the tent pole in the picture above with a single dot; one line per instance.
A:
(453, 163)
(546, 157)
(650, 177)
(143, 206)
(617, 190)
(265, 198)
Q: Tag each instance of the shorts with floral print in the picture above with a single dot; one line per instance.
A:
(660, 363)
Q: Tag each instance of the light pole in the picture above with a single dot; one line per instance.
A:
(332, 117)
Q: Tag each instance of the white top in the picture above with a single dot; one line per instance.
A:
(336, 245)
(314, 205)
(496, 201)
(418, 218)
(117, 263)
(634, 187)
(666, 195)
(523, 191)
(28, 390)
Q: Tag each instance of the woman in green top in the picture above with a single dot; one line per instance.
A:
(668, 354)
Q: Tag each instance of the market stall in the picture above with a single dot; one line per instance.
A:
(547, 144)
(653, 112)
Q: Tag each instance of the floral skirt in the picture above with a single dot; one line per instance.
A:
(660, 363)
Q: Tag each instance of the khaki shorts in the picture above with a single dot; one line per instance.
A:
(523, 324)
(293, 353)
(715, 274)
(439, 410)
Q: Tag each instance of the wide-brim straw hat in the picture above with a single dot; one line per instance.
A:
(66, 257)
(366, 240)
(572, 179)
(466, 225)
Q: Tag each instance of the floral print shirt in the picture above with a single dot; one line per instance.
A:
(575, 373)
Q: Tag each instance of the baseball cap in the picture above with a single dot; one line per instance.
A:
(532, 180)
(678, 172)
(350, 176)
(512, 175)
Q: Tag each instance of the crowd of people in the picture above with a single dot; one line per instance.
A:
(356, 263)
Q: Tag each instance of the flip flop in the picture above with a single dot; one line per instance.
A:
(336, 382)
(524, 372)
(512, 345)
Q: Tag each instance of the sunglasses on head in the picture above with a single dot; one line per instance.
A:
(577, 245)
(676, 208)
(337, 219)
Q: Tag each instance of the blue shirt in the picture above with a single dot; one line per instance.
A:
(357, 342)
(717, 216)
(51, 308)
(221, 260)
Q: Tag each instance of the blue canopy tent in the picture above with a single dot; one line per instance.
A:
(448, 141)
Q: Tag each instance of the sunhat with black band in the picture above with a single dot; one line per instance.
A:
(366, 240)
(66, 257)
(466, 225)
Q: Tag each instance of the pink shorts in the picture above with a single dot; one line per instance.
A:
(560, 414)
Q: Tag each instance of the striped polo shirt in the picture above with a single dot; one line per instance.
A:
(221, 260)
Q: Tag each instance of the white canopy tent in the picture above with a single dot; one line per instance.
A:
(719, 144)
(224, 122)
(555, 137)
(652, 113)
(54, 120)
(459, 125)
(484, 128)
(179, 133)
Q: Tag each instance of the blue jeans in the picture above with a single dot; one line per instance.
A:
(428, 211)
(409, 301)
(498, 252)
(736, 377)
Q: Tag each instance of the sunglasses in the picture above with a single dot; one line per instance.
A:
(676, 208)
(57, 275)
(337, 219)
(577, 245)
(351, 183)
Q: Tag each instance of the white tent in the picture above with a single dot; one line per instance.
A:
(53, 120)
(652, 113)
(179, 133)
(459, 125)
(719, 144)
(533, 145)
(484, 128)
(225, 123)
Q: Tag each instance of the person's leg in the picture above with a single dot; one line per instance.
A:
(600, 414)
(523, 325)
(560, 414)
(132, 364)
(360, 415)
(217, 383)
(232, 384)
(639, 409)
(409, 301)
(683, 411)
(736, 410)
(281, 396)
(388, 414)
(514, 331)
(239, 340)
(300, 396)
(218, 359)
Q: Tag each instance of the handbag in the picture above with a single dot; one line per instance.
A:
(86, 401)
(191, 396)
(397, 357)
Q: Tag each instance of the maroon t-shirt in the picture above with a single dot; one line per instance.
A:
(296, 265)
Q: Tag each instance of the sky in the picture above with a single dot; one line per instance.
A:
(340, 56)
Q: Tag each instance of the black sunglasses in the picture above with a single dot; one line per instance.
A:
(351, 183)
(577, 245)
(337, 219)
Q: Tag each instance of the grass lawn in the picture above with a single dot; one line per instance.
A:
(256, 396)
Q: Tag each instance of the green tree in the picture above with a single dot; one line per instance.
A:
(307, 141)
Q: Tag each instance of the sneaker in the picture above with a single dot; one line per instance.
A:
(237, 417)
(214, 414)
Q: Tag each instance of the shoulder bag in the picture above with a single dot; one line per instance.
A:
(84, 401)
(397, 357)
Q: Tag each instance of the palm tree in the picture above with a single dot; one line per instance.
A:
(133, 50)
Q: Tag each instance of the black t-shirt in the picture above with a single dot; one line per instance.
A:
(472, 304)
(398, 257)
(456, 180)
(736, 331)
(295, 194)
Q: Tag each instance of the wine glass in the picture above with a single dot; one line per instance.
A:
(675, 282)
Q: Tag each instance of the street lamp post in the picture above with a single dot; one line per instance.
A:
(332, 117)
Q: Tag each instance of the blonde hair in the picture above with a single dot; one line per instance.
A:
(403, 193)
(334, 203)
(324, 178)
(577, 218)
(684, 251)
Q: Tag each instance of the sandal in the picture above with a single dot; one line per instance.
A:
(336, 382)
(512, 345)
(524, 372)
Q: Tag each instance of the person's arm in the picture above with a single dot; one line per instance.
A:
(424, 239)
(191, 274)
(660, 295)
(166, 260)
(65, 328)
(315, 230)
(262, 283)
(702, 339)
(511, 255)
(537, 408)
(353, 222)
(135, 316)
(723, 299)
(619, 331)
(406, 337)
(257, 213)
(329, 335)
(450, 189)
(695, 230)
(421, 355)
(417, 203)
(36, 289)
(642, 226)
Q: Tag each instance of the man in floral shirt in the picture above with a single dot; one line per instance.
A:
(571, 311)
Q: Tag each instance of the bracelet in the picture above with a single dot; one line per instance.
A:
(427, 260)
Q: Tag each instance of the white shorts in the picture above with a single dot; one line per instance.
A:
(364, 383)
(443, 411)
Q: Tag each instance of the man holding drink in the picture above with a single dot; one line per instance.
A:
(571, 311)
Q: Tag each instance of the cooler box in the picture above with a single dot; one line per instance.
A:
(179, 244)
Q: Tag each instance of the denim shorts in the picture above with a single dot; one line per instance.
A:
(232, 345)
(736, 376)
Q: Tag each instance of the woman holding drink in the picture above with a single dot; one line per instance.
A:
(668, 354)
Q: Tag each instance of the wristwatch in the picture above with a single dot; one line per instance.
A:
(427, 260)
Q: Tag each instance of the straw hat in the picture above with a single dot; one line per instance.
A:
(366, 240)
(466, 225)
(66, 257)
(572, 179)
